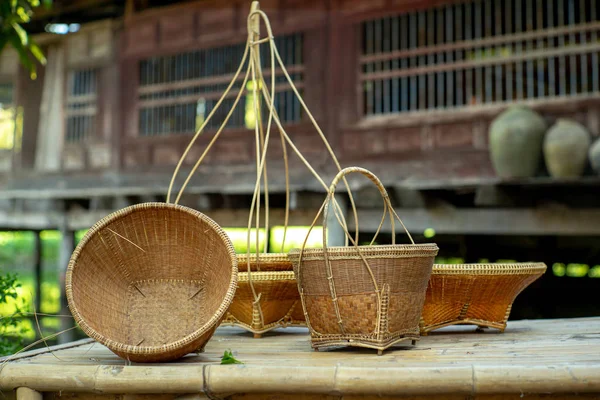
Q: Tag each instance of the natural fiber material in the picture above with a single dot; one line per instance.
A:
(266, 262)
(279, 301)
(478, 294)
(366, 296)
(152, 281)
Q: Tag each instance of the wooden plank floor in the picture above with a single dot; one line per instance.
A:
(544, 355)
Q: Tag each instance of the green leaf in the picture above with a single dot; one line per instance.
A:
(23, 15)
(37, 52)
(21, 33)
(228, 358)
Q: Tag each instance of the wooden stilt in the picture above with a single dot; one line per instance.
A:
(37, 251)
(66, 249)
(257, 335)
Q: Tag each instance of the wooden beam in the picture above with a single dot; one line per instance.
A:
(497, 221)
(444, 220)
(76, 220)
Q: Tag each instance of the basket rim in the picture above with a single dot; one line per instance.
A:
(273, 257)
(168, 347)
(376, 251)
(524, 268)
(259, 276)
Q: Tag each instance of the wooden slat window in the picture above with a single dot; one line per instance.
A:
(478, 53)
(82, 88)
(177, 92)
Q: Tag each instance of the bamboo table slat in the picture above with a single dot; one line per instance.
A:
(531, 358)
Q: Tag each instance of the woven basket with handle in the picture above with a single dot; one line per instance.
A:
(278, 301)
(477, 294)
(152, 281)
(366, 296)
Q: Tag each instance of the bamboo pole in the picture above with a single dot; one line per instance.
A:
(340, 380)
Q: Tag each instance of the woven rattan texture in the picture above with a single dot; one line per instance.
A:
(266, 262)
(405, 278)
(152, 281)
(279, 298)
(480, 294)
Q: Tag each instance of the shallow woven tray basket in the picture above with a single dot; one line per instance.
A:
(152, 281)
(478, 294)
(365, 296)
(279, 301)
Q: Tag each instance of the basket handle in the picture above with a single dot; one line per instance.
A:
(384, 194)
(325, 211)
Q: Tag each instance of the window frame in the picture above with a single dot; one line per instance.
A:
(137, 89)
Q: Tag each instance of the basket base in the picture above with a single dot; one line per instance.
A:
(380, 346)
(258, 332)
(481, 324)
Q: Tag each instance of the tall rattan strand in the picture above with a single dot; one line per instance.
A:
(475, 294)
(365, 296)
(274, 294)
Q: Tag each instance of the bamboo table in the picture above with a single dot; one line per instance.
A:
(531, 358)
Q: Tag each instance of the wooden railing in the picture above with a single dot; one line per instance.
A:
(479, 52)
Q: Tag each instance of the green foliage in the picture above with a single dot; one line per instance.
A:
(13, 14)
(12, 331)
(228, 358)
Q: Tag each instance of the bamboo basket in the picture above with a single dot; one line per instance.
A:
(477, 294)
(152, 281)
(365, 296)
(278, 304)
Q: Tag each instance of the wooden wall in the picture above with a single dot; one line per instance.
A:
(434, 144)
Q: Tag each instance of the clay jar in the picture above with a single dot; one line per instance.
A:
(566, 148)
(516, 138)
(594, 155)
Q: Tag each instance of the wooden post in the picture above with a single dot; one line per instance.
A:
(37, 259)
(335, 233)
(67, 246)
(24, 393)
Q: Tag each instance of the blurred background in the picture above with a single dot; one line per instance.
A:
(99, 98)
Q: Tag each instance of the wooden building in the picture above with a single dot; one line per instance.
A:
(406, 88)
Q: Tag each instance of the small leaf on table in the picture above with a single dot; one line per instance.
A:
(228, 358)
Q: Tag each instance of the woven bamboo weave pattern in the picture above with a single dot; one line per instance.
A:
(479, 294)
(367, 296)
(152, 281)
(279, 300)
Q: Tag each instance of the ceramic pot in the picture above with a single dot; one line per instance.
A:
(516, 137)
(594, 155)
(566, 148)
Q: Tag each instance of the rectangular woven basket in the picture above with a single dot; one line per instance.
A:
(475, 294)
(278, 302)
(364, 296)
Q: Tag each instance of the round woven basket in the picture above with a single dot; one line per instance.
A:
(152, 281)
